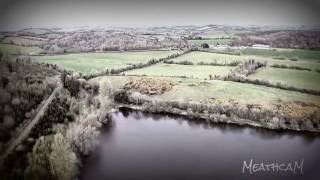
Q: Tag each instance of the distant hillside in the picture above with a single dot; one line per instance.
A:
(281, 39)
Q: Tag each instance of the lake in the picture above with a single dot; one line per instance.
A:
(149, 146)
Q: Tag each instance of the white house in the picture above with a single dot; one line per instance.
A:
(260, 46)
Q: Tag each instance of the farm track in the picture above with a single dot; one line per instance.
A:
(24, 134)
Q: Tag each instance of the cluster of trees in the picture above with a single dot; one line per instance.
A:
(52, 157)
(67, 131)
(23, 86)
(242, 71)
(70, 83)
(205, 45)
(283, 66)
(57, 112)
(185, 62)
(96, 40)
(213, 63)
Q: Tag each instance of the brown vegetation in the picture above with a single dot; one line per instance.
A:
(149, 86)
(300, 109)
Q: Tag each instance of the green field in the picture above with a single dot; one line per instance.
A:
(212, 38)
(301, 54)
(98, 62)
(195, 90)
(193, 71)
(300, 79)
(22, 41)
(208, 57)
(14, 49)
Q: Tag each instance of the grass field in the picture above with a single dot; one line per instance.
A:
(300, 79)
(208, 57)
(301, 54)
(193, 89)
(98, 62)
(193, 71)
(212, 38)
(21, 41)
(14, 49)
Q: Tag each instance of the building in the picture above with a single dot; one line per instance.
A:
(260, 46)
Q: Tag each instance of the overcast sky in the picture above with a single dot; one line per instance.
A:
(18, 14)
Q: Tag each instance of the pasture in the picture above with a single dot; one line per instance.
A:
(296, 78)
(91, 63)
(190, 71)
(16, 50)
(208, 57)
(186, 89)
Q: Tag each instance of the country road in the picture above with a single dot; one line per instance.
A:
(25, 133)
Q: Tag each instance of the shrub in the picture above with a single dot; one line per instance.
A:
(289, 67)
(279, 58)
(8, 122)
(83, 134)
(205, 45)
(63, 160)
(294, 58)
(38, 160)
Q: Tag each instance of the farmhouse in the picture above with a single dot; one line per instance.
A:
(260, 46)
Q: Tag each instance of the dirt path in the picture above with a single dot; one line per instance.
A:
(25, 133)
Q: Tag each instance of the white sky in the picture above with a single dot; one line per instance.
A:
(68, 13)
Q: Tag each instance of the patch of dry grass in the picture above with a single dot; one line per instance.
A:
(150, 86)
(299, 109)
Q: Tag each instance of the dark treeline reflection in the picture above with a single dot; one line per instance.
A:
(223, 127)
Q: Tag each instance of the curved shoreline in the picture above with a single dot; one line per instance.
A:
(217, 118)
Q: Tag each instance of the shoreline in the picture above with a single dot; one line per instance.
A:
(218, 119)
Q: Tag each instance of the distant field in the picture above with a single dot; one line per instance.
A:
(300, 79)
(22, 41)
(218, 34)
(14, 49)
(301, 54)
(98, 62)
(211, 41)
(208, 57)
(194, 71)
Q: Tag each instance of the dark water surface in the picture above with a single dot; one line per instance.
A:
(159, 147)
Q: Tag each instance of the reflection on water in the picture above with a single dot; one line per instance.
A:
(155, 146)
